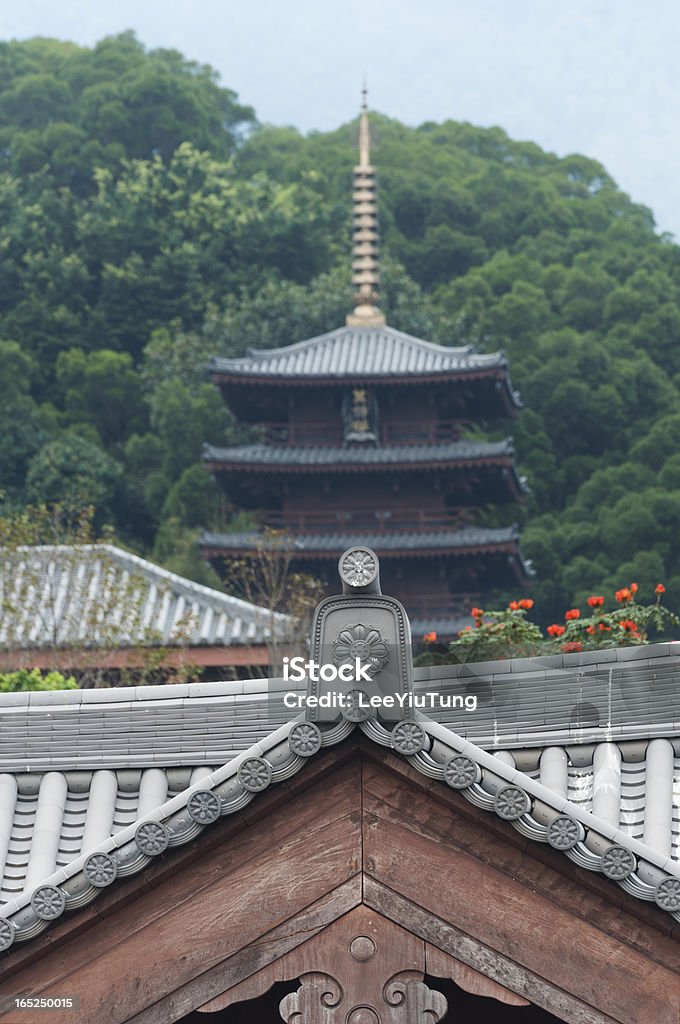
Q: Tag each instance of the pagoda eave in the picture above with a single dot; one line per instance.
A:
(305, 549)
(460, 375)
(224, 466)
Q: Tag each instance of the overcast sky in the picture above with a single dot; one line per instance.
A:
(600, 77)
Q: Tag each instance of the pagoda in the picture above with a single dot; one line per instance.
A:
(364, 443)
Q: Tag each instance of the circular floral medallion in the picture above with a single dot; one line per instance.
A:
(618, 862)
(305, 739)
(255, 774)
(204, 807)
(667, 894)
(100, 869)
(408, 737)
(357, 707)
(358, 567)
(152, 838)
(564, 832)
(363, 642)
(48, 902)
(511, 802)
(460, 772)
(6, 934)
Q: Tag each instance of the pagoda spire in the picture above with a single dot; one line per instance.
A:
(365, 266)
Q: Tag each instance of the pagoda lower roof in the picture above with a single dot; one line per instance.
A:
(470, 540)
(361, 353)
(308, 458)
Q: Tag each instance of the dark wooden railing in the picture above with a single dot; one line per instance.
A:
(378, 521)
(324, 433)
(430, 606)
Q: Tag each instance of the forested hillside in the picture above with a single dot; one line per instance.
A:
(147, 222)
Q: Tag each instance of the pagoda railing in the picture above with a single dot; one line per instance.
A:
(324, 433)
(378, 521)
(437, 605)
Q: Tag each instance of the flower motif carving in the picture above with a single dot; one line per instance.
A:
(100, 869)
(48, 902)
(356, 709)
(204, 807)
(408, 737)
(564, 832)
(358, 567)
(618, 863)
(510, 803)
(152, 838)
(255, 774)
(6, 934)
(667, 894)
(305, 739)
(363, 642)
(460, 772)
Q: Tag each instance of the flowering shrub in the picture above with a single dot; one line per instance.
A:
(509, 634)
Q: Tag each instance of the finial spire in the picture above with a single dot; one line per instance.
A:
(365, 275)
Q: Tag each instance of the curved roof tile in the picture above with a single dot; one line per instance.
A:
(90, 594)
(357, 454)
(361, 352)
(137, 815)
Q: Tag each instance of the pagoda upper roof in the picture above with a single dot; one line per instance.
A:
(347, 457)
(360, 352)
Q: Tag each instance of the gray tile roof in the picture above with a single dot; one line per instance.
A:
(439, 540)
(591, 799)
(360, 352)
(375, 456)
(622, 694)
(98, 594)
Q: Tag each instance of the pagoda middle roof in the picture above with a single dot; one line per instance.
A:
(453, 541)
(359, 352)
(271, 456)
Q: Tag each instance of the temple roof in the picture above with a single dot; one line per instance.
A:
(268, 457)
(93, 594)
(601, 791)
(362, 353)
(469, 540)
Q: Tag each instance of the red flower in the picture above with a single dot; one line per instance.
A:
(628, 625)
(526, 602)
(430, 638)
(477, 613)
(595, 602)
(465, 629)
(604, 629)
(514, 606)
(659, 589)
(573, 647)
(623, 595)
(555, 630)
(590, 629)
(633, 588)
(573, 613)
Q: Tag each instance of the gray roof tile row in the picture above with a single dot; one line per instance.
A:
(359, 352)
(406, 540)
(135, 816)
(375, 456)
(97, 595)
